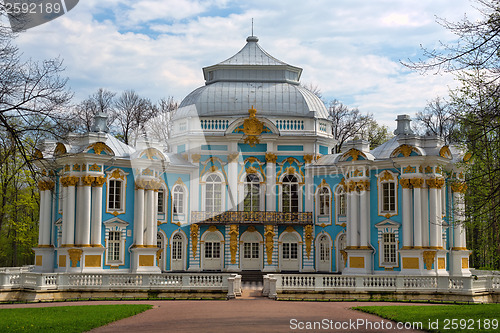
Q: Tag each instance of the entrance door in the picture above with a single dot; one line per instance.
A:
(341, 255)
(212, 252)
(177, 262)
(324, 262)
(289, 253)
(250, 251)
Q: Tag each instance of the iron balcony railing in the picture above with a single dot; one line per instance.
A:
(259, 217)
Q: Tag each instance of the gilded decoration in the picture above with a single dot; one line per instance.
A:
(386, 176)
(38, 154)
(409, 169)
(420, 169)
(194, 238)
(66, 168)
(45, 185)
(76, 167)
(99, 147)
(233, 241)
(69, 181)
(417, 182)
(344, 256)
(459, 187)
(405, 150)
(75, 255)
(253, 128)
(146, 172)
(87, 180)
(428, 169)
(351, 186)
(158, 255)
(95, 168)
(269, 235)
(290, 229)
(60, 149)
(467, 157)
(354, 153)
(251, 229)
(151, 153)
(308, 229)
(251, 170)
(117, 174)
(435, 182)
(363, 185)
(212, 228)
(213, 168)
(445, 152)
(429, 259)
(308, 158)
(195, 158)
(405, 183)
(233, 157)
(357, 173)
(290, 170)
(99, 181)
(271, 158)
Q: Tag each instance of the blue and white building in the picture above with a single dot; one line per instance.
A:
(250, 184)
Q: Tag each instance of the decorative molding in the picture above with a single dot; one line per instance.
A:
(194, 231)
(308, 230)
(233, 241)
(87, 180)
(290, 229)
(385, 176)
(435, 182)
(417, 182)
(99, 181)
(429, 259)
(69, 181)
(459, 187)
(271, 158)
(409, 169)
(195, 158)
(445, 152)
(405, 183)
(354, 153)
(308, 158)
(253, 128)
(233, 157)
(75, 256)
(269, 235)
(405, 150)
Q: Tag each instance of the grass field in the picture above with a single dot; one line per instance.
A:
(443, 318)
(65, 318)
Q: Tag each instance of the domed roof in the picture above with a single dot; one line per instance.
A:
(252, 77)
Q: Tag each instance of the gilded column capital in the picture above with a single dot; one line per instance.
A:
(417, 182)
(363, 185)
(70, 181)
(233, 157)
(459, 187)
(87, 180)
(195, 158)
(271, 158)
(45, 185)
(99, 181)
(435, 182)
(351, 186)
(308, 158)
(405, 183)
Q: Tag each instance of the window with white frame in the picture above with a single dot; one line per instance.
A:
(324, 248)
(290, 194)
(114, 194)
(289, 250)
(324, 201)
(212, 250)
(213, 193)
(177, 247)
(251, 202)
(389, 248)
(342, 202)
(388, 193)
(178, 197)
(113, 246)
(161, 201)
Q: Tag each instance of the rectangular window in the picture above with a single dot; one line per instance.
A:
(342, 204)
(177, 250)
(293, 251)
(389, 197)
(161, 201)
(208, 250)
(286, 250)
(114, 194)
(114, 246)
(389, 242)
(290, 198)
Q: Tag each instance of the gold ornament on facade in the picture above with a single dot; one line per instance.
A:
(344, 256)
(269, 235)
(417, 182)
(251, 229)
(290, 170)
(428, 169)
(45, 185)
(404, 149)
(251, 170)
(351, 186)
(459, 187)
(405, 183)
(99, 181)
(363, 185)
(357, 173)
(253, 128)
(467, 157)
(271, 158)
(386, 175)
(308, 229)
(87, 180)
(95, 168)
(233, 242)
(195, 158)
(75, 256)
(409, 169)
(354, 153)
(117, 174)
(60, 149)
(212, 228)
(69, 181)
(194, 230)
(290, 229)
(429, 259)
(38, 154)
(99, 147)
(308, 158)
(445, 152)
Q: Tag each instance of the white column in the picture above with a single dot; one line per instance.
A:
(365, 215)
(348, 216)
(79, 215)
(271, 194)
(424, 194)
(47, 216)
(65, 214)
(309, 193)
(139, 217)
(194, 192)
(407, 214)
(149, 218)
(232, 174)
(70, 212)
(154, 229)
(85, 211)
(433, 215)
(417, 216)
(457, 220)
(96, 216)
(440, 218)
(41, 216)
(353, 223)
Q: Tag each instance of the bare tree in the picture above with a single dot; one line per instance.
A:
(314, 88)
(132, 114)
(437, 118)
(100, 101)
(347, 123)
(160, 127)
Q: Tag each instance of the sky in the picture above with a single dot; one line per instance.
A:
(351, 50)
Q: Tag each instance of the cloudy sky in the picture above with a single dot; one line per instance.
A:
(350, 49)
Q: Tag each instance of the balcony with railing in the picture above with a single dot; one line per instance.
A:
(255, 218)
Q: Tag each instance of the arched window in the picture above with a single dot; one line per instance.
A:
(213, 193)
(324, 201)
(178, 199)
(290, 194)
(177, 247)
(251, 203)
(324, 248)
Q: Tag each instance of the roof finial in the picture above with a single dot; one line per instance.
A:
(252, 26)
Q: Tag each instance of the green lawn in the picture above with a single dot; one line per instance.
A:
(65, 318)
(443, 318)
